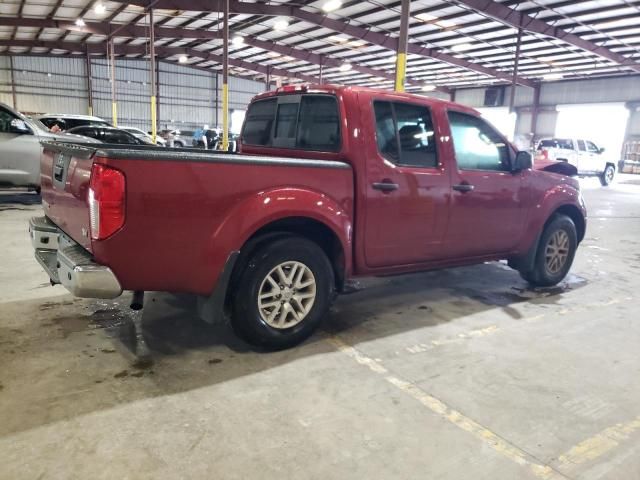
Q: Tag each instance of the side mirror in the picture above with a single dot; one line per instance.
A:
(522, 161)
(19, 126)
(601, 150)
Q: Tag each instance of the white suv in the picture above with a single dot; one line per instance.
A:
(583, 154)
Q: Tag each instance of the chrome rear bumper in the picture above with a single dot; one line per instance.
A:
(68, 263)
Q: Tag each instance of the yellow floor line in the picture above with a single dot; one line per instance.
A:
(491, 439)
(601, 443)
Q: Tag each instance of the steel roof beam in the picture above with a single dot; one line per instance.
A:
(517, 19)
(93, 48)
(165, 32)
(106, 29)
(376, 38)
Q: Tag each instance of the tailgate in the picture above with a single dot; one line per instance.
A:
(65, 171)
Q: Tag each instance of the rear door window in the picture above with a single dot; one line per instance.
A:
(556, 143)
(405, 134)
(581, 146)
(304, 122)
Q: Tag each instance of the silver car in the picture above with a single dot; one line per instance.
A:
(20, 148)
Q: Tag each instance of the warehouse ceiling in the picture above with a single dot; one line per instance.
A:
(453, 43)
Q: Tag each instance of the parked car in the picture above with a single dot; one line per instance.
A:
(145, 136)
(583, 154)
(20, 148)
(213, 139)
(68, 121)
(177, 138)
(108, 135)
(332, 183)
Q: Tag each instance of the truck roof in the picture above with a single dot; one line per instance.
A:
(346, 89)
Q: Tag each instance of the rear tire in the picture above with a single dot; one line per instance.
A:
(283, 293)
(607, 176)
(555, 254)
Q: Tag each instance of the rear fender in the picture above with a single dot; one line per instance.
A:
(263, 208)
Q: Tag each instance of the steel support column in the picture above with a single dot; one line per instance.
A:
(267, 79)
(89, 83)
(152, 63)
(516, 61)
(321, 70)
(112, 72)
(401, 54)
(13, 83)
(225, 78)
(535, 109)
(158, 92)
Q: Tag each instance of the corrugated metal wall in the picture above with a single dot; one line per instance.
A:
(187, 97)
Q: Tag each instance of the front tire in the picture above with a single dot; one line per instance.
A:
(283, 293)
(607, 176)
(555, 254)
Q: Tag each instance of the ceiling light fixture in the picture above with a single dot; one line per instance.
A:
(80, 22)
(331, 5)
(281, 24)
(425, 17)
(238, 40)
(428, 88)
(183, 59)
(337, 39)
(553, 76)
(345, 67)
(100, 9)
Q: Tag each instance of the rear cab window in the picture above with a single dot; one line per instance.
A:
(562, 143)
(301, 122)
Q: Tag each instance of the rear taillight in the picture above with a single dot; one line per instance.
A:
(545, 154)
(106, 201)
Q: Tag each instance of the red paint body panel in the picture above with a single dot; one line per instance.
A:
(184, 218)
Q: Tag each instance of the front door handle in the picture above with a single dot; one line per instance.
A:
(463, 187)
(385, 186)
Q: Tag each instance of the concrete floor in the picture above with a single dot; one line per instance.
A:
(461, 374)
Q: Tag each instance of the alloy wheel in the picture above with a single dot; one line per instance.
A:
(287, 295)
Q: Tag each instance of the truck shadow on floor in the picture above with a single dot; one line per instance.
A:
(98, 341)
(170, 325)
(18, 200)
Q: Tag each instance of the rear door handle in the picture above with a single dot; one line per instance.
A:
(463, 187)
(385, 186)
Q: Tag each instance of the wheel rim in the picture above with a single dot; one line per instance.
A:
(557, 251)
(287, 295)
(609, 174)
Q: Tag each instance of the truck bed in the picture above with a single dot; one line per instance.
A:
(185, 209)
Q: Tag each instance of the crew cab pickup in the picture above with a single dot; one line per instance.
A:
(583, 154)
(331, 183)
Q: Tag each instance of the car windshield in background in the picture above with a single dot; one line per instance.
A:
(556, 143)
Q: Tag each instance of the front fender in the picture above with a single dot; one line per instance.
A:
(255, 212)
(561, 195)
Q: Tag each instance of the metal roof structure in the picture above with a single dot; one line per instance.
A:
(452, 43)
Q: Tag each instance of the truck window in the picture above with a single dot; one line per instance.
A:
(581, 146)
(556, 143)
(591, 147)
(477, 145)
(404, 134)
(305, 122)
(258, 122)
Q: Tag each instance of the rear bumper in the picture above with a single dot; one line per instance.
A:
(69, 264)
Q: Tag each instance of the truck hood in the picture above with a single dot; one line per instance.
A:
(554, 166)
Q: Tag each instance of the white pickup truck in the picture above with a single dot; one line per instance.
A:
(583, 154)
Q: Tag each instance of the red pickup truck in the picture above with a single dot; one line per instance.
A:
(331, 183)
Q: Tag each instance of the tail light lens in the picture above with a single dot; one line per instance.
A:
(106, 201)
(545, 154)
